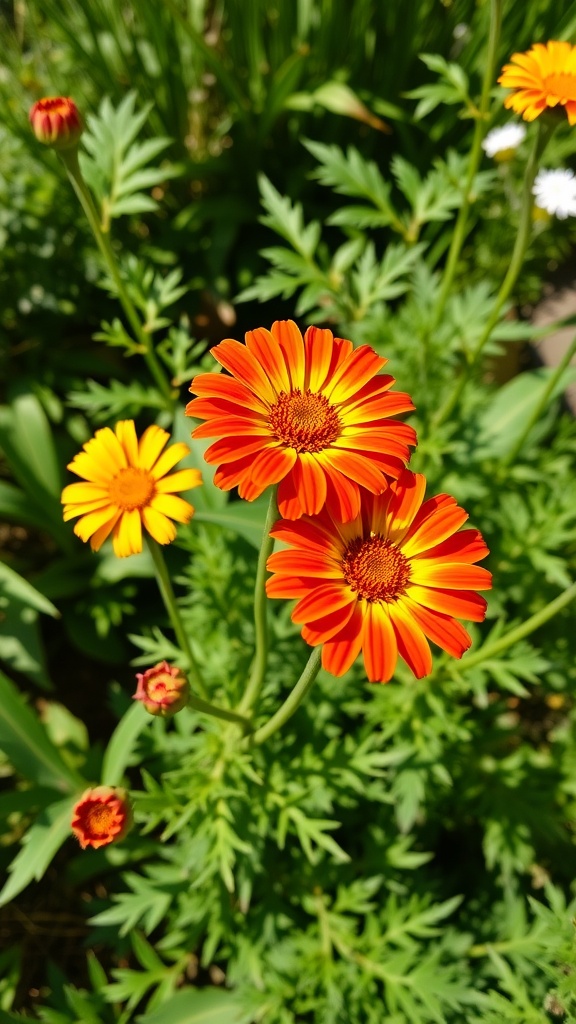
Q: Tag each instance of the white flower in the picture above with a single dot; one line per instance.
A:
(504, 140)
(555, 192)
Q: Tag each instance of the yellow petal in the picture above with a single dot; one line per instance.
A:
(127, 539)
(183, 480)
(158, 526)
(82, 492)
(91, 522)
(172, 506)
(151, 444)
(169, 458)
(126, 434)
(81, 508)
(97, 539)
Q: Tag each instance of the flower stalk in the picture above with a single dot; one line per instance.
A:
(519, 632)
(258, 669)
(544, 132)
(293, 700)
(167, 592)
(71, 163)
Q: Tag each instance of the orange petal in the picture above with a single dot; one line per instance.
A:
(451, 577)
(339, 653)
(222, 387)
(362, 364)
(324, 629)
(264, 347)
(231, 449)
(291, 345)
(461, 604)
(319, 349)
(310, 482)
(322, 601)
(379, 644)
(428, 530)
(465, 546)
(267, 468)
(412, 644)
(236, 358)
(449, 634)
(305, 563)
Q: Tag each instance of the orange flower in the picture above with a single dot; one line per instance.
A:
(543, 77)
(127, 487)
(101, 816)
(163, 689)
(397, 574)
(56, 122)
(311, 413)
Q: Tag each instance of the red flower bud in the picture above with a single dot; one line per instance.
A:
(101, 816)
(56, 122)
(163, 690)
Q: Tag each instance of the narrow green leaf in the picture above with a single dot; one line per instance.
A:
(26, 745)
(199, 1006)
(15, 586)
(122, 743)
(245, 518)
(39, 846)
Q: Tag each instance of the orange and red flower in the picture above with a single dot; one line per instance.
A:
(395, 577)
(56, 122)
(101, 816)
(313, 414)
(543, 77)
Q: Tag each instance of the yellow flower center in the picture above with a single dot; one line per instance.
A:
(131, 488)
(99, 819)
(306, 422)
(562, 85)
(375, 568)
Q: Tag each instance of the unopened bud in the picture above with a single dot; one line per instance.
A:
(56, 122)
(163, 689)
(101, 816)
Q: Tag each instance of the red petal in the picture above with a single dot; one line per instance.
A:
(268, 467)
(362, 364)
(462, 604)
(231, 449)
(443, 630)
(451, 577)
(305, 563)
(320, 355)
(236, 358)
(291, 345)
(267, 352)
(323, 601)
(466, 546)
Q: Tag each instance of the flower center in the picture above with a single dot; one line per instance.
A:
(131, 488)
(306, 422)
(562, 85)
(375, 568)
(99, 819)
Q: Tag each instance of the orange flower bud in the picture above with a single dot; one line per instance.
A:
(101, 816)
(163, 689)
(56, 122)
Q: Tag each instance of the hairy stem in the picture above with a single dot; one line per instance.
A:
(519, 632)
(69, 158)
(260, 612)
(167, 592)
(473, 164)
(545, 130)
(293, 700)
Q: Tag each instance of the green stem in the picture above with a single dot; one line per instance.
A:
(165, 587)
(541, 405)
(473, 164)
(519, 632)
(293, 700)
(69, 158)
(260, 612)
(207, 708)
(545, 130)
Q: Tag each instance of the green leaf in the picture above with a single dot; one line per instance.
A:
(15, 586)
(26, 745)
(509, 410)
(39, 846)
(199, 1006)
(122, 743)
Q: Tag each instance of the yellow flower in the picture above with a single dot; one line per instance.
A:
(125, 486)
(543, 77)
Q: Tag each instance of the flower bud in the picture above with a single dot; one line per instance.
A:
(163, 689)
(56, 122)
(101, 816)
